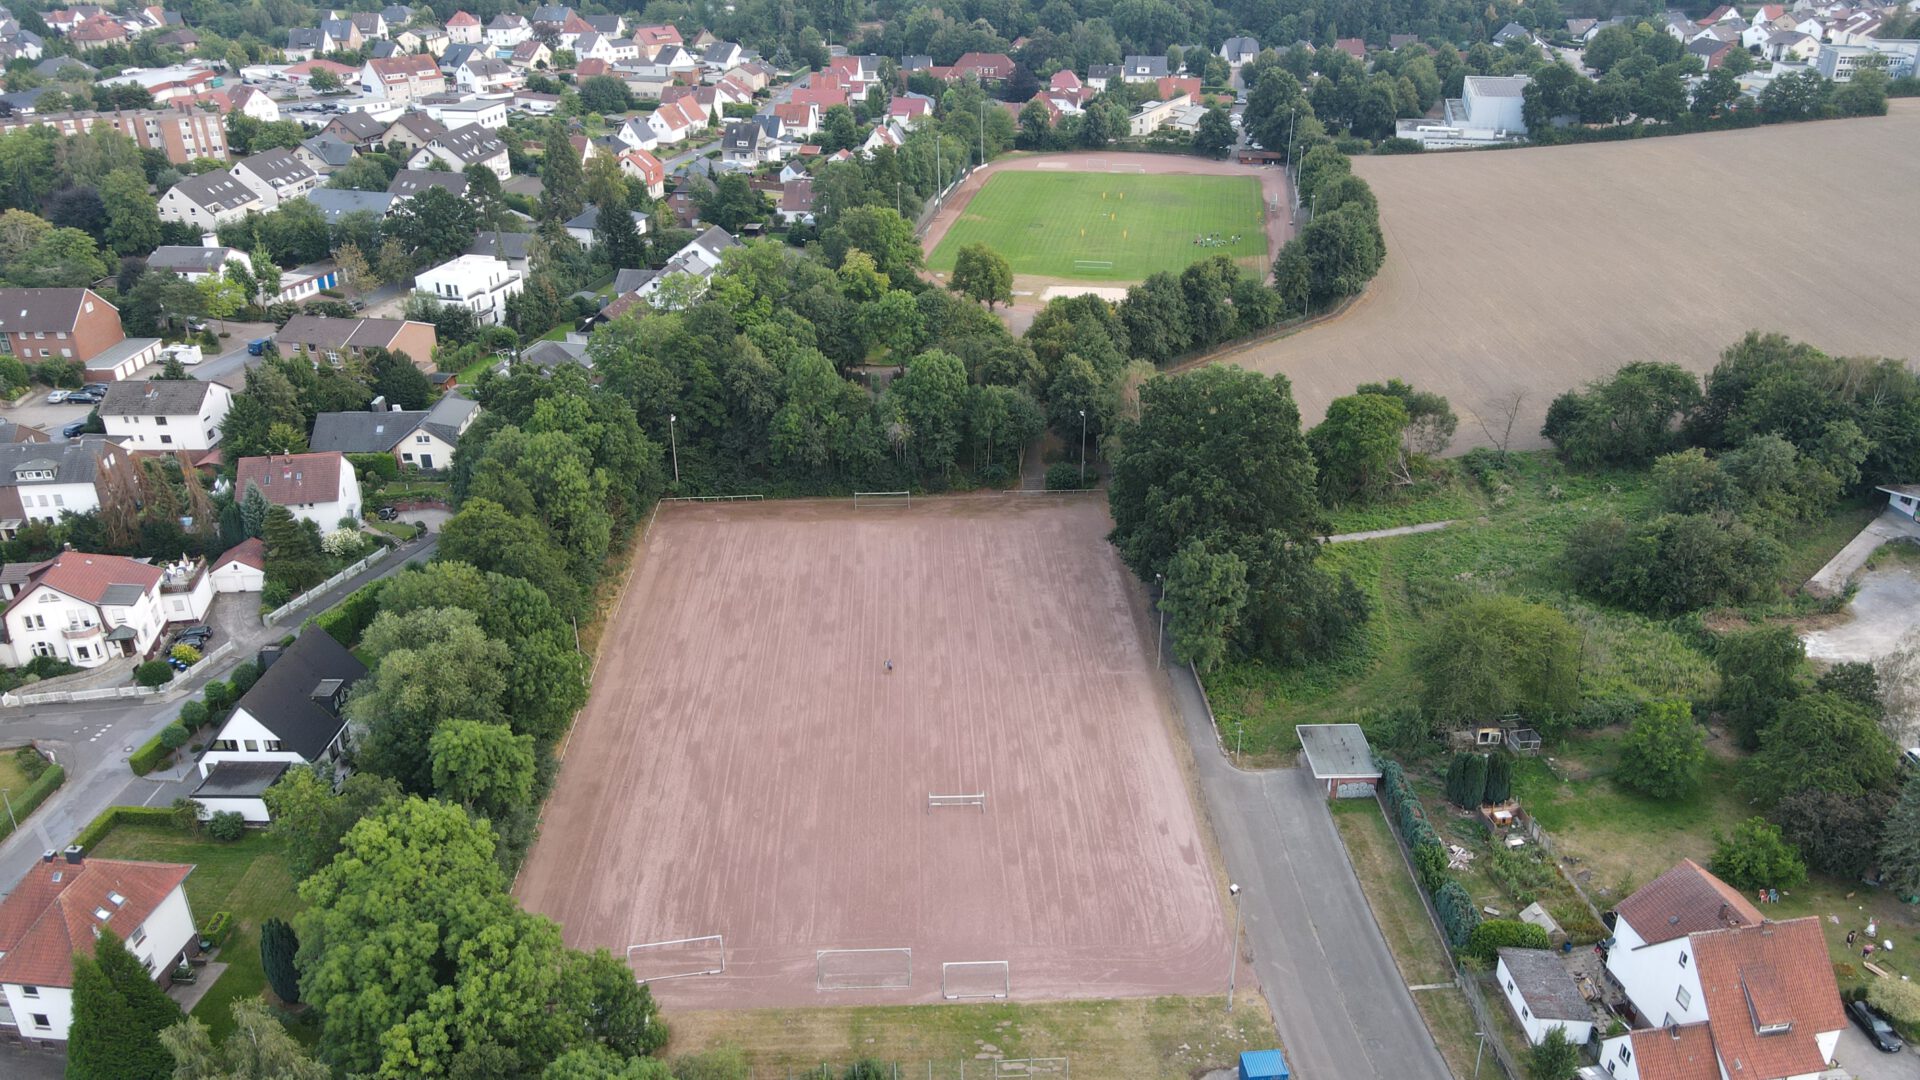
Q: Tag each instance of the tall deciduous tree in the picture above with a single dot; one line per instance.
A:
(133, 218)
(311, 818)
(561, 178)
(258, 1049)
(430, 666)
(1820, 742)
(1357, 447)
(436, 225)
(1204, 596)
(1900, 846)
(1663, 751)
(484, 767)
(1488, 656)
(981, 273)
(1759, 672)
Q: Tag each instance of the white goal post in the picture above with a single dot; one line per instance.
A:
(679, 958)
(961, 979)
(936, 802)
(898, 498)
(862, 969)
(1093, 264)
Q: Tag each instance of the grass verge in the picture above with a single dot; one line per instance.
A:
(248, 878)
(1167, 1038)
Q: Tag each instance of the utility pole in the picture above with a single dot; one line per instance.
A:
(674, 442)
(1160, 601)
(1083, 448)
(1233, 958)
(983, 131)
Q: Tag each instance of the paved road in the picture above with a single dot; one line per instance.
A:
(1337, 998)
(92, 740)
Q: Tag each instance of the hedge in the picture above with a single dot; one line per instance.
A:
(345, 621)
(381, 465)
(1458, 915)
(33, 795)
(150, 756)
(217, 928)
(1488, 938)
(99, 827)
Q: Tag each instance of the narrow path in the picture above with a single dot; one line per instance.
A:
(1402, 530)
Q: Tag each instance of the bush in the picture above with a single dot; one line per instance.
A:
(1900, 1001)
(1457, 913)
(218, 696)
(30, 763)
(185, 814)
(217, 927)
(382, 466)
(34, 794)
(227, 825)
(243, 678)
(152, 754)
(1757, 857)
(186, 654)
(275, 594)
(194, 715)
(1495, 934)
(1663, 752)
(153, 673)
(174, 736)
(345, 621)
(1606, 710)
(1064, 476)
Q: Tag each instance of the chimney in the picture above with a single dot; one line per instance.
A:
(74, 853)
(378, 404)
(267, 656)
(209, 240)
(48, 855)
(398, 408)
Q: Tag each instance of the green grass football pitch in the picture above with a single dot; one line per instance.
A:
(1109, 226)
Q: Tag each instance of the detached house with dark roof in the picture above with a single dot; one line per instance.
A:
(276, 176)
(332, 339)
(209, 199)
(294, 715)
(166, 414)
(58, 907)
(320, 488)
(461, 148)
(420, 439)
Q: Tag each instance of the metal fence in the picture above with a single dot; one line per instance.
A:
(1543, 838)
(310, 595)
(990, 1069)
(1488, 1024)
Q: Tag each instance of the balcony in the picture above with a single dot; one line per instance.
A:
(75, 633)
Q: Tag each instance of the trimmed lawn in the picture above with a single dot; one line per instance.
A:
(1108, 226)
(1391, 892)
(1168, 1038)
(12, 780)
(248, 878)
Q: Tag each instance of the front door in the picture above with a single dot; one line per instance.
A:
(426, 461)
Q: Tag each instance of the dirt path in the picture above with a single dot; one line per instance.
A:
(1273, 194)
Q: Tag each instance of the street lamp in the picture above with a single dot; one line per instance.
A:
(1083, 448)
(10, 818)
(1476, 1054)
(674, 442)
(983, 131)
(1233, 955)
(1160, 603)
(1293, 189)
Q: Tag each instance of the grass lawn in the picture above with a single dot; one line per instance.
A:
(1144, 1038)
(248, 878)
(1058, 224)
(12, 780)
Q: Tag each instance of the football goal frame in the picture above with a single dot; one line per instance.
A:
(939, 802)
(862, 969)
(882, 498)
(963, 979)
(1093, 264)
(717, 967)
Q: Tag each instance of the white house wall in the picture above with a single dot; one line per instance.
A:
(254, 810)
(192, 605)
(1661, 980)
(55, 1003)
(242, 729)
(45, 502)
(168, 931)
(238, 577)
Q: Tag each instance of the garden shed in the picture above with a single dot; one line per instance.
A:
(1340, 759)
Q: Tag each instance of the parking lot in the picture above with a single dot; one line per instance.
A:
(37, 413)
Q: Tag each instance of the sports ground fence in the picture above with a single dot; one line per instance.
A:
(1057, 1068)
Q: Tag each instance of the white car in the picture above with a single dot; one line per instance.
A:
(58, 397)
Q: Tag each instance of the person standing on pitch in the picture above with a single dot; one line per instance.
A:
(889, 667)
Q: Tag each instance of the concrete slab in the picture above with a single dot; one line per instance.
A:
(1885, 608)
(1862, 1060)
(187, 995)
(1831, 579)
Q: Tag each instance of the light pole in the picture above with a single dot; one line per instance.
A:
(1161, 603)
(674, 442)
(1233, 956)
(983, 131)
(1293, 189)
(896, 196)
(1083, 448)
(1476, 1054)
(10, 818)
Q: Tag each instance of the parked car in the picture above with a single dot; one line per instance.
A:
(57, 397)
(92, 392)
(1875, 1026)
(74, 429)
(196, 636)
(388, 513)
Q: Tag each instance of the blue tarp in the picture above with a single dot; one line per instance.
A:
(1263, 1065)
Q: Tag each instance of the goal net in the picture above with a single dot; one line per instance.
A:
(679, 958)
(862, 969)
(1093, 264)
(975, 979)
(937, 802)
(882, 498)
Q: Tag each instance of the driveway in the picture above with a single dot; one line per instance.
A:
(1338, 1000)
(229, 368)
(37, 413)
(1864, 1061)
(1884, 609)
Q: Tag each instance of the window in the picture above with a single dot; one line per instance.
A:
(36, 622)
(1524, 1015)
(30, 991)
(159, 421)
(166, 440)
(271, 746)
(43, 648)
(251, 746)
(1683, 959)
(85, 653)
(59, 500)
(139, 936)
(226, 744)
(1626, 1054)
(1684, 998)
(40, 1021)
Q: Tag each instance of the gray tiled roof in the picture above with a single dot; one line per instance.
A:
(75, 461)
(472, 144)
(333, 202)
(362, 432)
(240, 779)
(194, 258)
(410, 182)
(121, 595)
(216, 191)
(282, 701)
(448, 415)
(30, 310)
(277, 164)
(1544, 984)
(155, 397)
(501, 245)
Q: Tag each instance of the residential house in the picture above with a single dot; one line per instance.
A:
(342, 35)
(656, 36)
(196, 262)
(418, 439)
(166, 414)
(530, 54)
(320, 488)
(485, 75)
(1100, 75)
(507, 30)
(276, 176)
(581, 227)
(462, 148)
(334, 203)
(1144, 69)
(675, 121)
(324, 154)
(208, 200)
(97, 33)
(752, 75)
(489, 113)
(66, 324)
(243, 568)
(908, 110)
(644, 167)
(1175, 85)
(371, 24)
(990, 67)
(1151, 116)
(411, 132)
(41, 481)
(796, 202)
(88, 609)
(1543, 996)
(305, 43)
(1236, 51)
(410, 182)
(510, 247)
(699, 259)
(457, 55)
(887, 136)
(799, 119)
(480, 283)
(56, 909)
(356, 129)
(547, 355)
(403, 78)
(332, 339)
(464, 29)
(1511, 32)
(294, 715)
(721, 55)
(254, 102)
(1791, 47)
(740, 145)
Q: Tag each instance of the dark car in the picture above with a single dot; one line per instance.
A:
(94, 392)
(387, 513)
(1875, 1026)
(74, 429)
(196, 636)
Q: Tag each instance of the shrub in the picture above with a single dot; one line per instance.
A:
(174, 736)
(218, 696)
(227, 825)
(153, 673)
(243, 678)
(1523, 876)
(186, 654)
(1899, 1000)
(34, 794)
(1757, 857)
(1499, 779)
(151, 755)
(99, 827)
(381, 465)
(1430, 865)
(1064, 476)
(275, 594)
(30, 763)
(345, 621)
(1606, 710)
(1663, 752)
(194, 715)
(217, 927)
(1495, 934)
(1457, 913)
(185, 814)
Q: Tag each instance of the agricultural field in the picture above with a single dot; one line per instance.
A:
(1527, 272)
(1109, 226)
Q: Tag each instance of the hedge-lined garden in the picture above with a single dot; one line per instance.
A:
(1458, 915)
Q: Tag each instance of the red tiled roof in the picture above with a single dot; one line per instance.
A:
(985, 65)
(398, 68)
(461, 18)
(657, 35)
(1679, 1053)
(1685, 900)
(592, 65)
(1352, 46)
(1769, 990)
(909, 106)
(49, 914)
(1172, 86)
(1064, 79)
(87, 577)
(291, 479)
(251, 552)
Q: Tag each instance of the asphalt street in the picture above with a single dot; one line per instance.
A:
(92, 740)
(1338, 1000)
